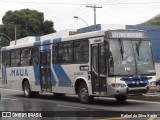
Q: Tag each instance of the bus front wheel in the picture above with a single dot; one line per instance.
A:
(83, 94)
(121, 98)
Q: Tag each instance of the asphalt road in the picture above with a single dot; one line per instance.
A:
(69, 108)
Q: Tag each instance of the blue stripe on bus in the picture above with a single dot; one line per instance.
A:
(56, 40)
(4, 74)
(36, 75)
(46, 42)
(46, 45)
(37, 43)
(53, 80)
(62, 76)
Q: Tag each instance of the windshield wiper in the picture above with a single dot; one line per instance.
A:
(138, 46)
(121, 47)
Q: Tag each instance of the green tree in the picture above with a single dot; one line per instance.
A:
(153, 21)
(28, 23)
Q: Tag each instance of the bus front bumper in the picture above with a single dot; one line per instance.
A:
(127, 91)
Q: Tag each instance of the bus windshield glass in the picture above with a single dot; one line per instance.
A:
(130, 57)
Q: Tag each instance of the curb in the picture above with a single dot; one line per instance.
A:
(147, 97)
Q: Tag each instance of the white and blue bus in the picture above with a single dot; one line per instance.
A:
(114, 63)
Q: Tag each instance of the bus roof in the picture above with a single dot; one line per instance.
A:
(66, 38)
(56, 40)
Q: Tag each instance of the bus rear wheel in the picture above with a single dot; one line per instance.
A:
(121, 98)
(83, 94)
(26, 89)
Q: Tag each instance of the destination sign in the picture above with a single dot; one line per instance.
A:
(127, 34)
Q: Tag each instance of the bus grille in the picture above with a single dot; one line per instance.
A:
(136, 92)
(137, 85)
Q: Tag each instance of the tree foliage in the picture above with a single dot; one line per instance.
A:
(153, 21)
(27, 22)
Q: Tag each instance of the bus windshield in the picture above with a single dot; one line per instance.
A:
(130, 57)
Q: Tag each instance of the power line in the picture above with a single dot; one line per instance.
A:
(71, 12)
(70, 16)
(111, 1)
(121, 3)
(50, 3)
(83, 11)
(41, 3)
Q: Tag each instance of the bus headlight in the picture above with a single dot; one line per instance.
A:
(118, 85)
(152, 86)
(152, 83)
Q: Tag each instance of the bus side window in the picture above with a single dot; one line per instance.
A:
(15, 58)
(54, 53)
(81, 51)
(6, 58)
(25, 57)
(65, 53)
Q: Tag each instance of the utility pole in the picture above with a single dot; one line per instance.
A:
(94, 7)
(15, 34)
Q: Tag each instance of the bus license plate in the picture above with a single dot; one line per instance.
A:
(152, 87)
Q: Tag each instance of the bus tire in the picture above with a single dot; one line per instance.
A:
(83, 94)
(58, 94)
(27, 90)
(121, 98)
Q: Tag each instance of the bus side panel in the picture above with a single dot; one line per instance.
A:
(15, 76)
(65, 77)
(34, 79)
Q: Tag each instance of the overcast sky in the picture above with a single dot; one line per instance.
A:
(61, 12)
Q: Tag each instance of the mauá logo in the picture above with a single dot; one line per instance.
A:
(19, 72)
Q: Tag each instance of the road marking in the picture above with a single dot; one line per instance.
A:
(142, 101)
(151, 118)
(131, 100)
(70, 106)
(11, 89)
(8, 98)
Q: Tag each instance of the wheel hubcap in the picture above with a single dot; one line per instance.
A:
(84, 94)
(26, 90)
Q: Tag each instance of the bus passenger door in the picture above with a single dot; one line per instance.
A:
(98, 68)
(45, 70)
